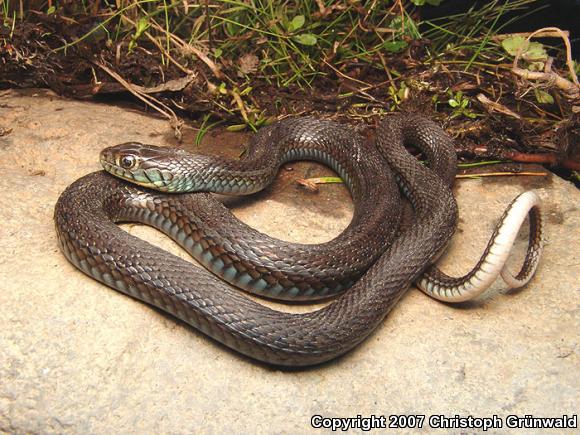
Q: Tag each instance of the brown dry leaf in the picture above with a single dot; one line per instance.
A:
(249, 63)
(307, 184)
(311, 184)
(493, 106)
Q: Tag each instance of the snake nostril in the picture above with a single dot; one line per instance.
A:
(105, 155)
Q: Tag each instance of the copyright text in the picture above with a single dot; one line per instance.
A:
(440, 421)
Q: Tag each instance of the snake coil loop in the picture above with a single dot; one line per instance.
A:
(87, 211)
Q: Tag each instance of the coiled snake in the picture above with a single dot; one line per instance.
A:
(86, 213)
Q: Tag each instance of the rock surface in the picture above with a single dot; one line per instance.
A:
(78, 357)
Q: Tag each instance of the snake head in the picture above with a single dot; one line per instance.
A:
(146, 165)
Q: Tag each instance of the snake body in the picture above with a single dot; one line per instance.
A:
(252, 260)
(86, 213)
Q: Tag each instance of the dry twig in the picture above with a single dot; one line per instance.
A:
(493, 106)
(152, 102)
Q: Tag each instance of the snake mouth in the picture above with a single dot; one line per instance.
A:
(152, 178)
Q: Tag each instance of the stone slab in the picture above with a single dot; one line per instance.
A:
(78, 357)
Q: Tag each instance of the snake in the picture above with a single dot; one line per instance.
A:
(378, 177)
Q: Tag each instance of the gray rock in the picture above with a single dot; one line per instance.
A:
(78, 357)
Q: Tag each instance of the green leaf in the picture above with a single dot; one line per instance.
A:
(535, 51)
(246, 91)
(403, 92)
(453, 103)
(265, 121)
(428, 2)
(51, 10)
(326, 180)
(296, 23)
(233, 28)
(394, 46)
(306, 39)
(515, 43)
(217, 53)
(530, 51)
(236, 127)
(543, 97)
(142, 25)
(536, 66)
(404, 26)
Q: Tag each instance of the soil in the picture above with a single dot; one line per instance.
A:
(548, 135)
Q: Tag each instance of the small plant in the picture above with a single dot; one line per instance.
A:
(534, 56)
(398, 95)
(302, 38)
(142, 26)
(426, 2)
(460, 105)
(533, 53)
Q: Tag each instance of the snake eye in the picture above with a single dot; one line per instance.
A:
(128, 162)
